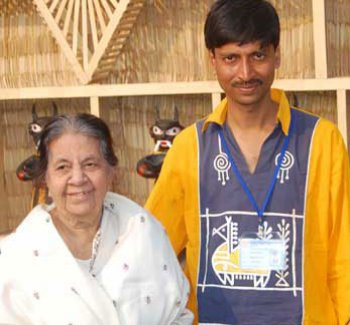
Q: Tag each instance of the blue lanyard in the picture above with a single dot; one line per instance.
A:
(260, 212)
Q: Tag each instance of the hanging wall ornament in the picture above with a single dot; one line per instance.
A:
(91, 33)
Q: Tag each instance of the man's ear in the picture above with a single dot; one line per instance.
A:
(212, 57)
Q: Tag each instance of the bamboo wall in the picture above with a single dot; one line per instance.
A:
(166, 44)
(29, 56)
(338, 37)
(322, 103)
(173, 48)
(170, 49)
(297, 52)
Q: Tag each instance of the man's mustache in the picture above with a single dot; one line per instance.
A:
(251, 82)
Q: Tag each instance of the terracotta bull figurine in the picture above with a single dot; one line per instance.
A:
(163, 132)
(26, 169)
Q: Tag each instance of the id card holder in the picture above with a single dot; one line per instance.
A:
(269, 254)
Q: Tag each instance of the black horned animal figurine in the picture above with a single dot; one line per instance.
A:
(163, 132)
(26, 169)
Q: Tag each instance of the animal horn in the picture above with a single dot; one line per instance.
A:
(55, 109)
(34, 115)
(295, 100)
(176, 113)
(157, 113)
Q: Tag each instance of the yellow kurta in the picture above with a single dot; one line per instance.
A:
(326, 251)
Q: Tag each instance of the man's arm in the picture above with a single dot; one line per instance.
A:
(166, 201)
(339, 250)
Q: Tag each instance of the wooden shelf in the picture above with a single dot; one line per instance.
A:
(163, 88)
(340, 85)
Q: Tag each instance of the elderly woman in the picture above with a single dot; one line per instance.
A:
(91, 257)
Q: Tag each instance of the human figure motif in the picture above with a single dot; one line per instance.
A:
(258, 192)
(26, 169)
(163, 132)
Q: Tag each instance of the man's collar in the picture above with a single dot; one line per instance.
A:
(218, 116)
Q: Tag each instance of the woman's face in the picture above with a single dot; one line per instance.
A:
(77, 175)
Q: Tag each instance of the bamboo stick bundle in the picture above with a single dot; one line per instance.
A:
(14, 149)
(338, 37)
(170, 43)
(296, 37)
(30, 56)
(17, 209)
(16, 7)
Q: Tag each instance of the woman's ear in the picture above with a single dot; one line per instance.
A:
(111, 175)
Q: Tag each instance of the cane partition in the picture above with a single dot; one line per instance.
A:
(119, 59)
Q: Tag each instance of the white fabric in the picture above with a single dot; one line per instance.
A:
(135, 281)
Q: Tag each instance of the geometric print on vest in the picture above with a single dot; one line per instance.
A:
(223, 284)
(222, 241)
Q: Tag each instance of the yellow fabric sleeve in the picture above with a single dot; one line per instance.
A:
(327, 230)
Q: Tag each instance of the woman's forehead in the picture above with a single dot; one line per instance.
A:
(73, 144)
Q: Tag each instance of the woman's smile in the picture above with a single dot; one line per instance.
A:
(78, 177)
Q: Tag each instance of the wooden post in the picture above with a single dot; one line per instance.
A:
(95, 106)
(215, 100)
(320, 41)
(342, 114)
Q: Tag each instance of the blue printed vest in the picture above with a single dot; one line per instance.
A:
(226, 293)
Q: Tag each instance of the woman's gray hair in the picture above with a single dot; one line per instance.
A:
(81, 123)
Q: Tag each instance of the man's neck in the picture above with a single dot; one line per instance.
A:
(251, 125)
(252, 117)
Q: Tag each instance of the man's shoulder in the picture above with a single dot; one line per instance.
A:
(304, 118)
(187, 133)
(188, 136)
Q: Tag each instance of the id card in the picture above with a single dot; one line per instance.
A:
(264, 254)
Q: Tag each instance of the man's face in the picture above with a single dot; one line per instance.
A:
(245, 72)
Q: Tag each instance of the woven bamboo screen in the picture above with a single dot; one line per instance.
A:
(338, 37)
(166, 44)
(16, 7)
(172, 47)
(322, 103)
(29, 56)
(297, 52)
(16, 146)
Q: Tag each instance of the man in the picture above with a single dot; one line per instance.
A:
(258, 192)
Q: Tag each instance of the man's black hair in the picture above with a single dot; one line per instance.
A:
(241, 21)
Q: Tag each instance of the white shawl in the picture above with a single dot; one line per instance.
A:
(137, 281)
